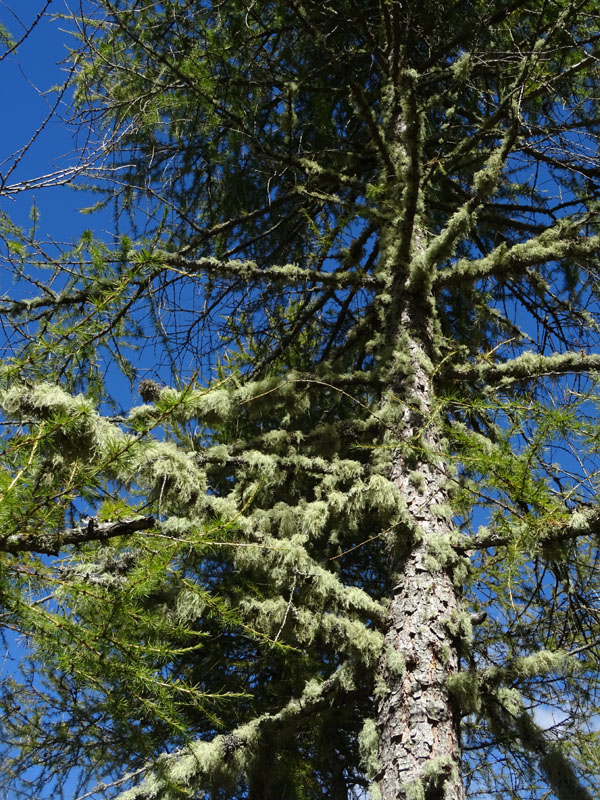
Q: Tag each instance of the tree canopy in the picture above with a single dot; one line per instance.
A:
(347, 545)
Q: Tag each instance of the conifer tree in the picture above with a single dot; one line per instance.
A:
(348, 544)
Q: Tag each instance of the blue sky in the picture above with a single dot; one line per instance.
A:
(30, 85)
(26, 97)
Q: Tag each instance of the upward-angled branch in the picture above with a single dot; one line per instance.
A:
(485, 183)
(559, 241)
(192, 765)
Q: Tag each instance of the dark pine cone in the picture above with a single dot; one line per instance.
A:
(230, 744)
(149, 390)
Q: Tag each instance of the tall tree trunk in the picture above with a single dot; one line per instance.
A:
(419, 750)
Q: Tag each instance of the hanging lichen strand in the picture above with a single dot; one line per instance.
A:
(278, 526)
(347, 545)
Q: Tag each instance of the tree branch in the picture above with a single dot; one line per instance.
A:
(485, 183)
(250, 270)
(528, 366)
(93, 531)
(580, 523)
(234, 752)
(553, 761)
(559, 241)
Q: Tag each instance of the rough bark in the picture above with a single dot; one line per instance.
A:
(419, 739)
(419, 750)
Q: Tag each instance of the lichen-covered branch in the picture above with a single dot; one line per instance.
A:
(562, 240)
(290, 274)
(227, 757)
(529, 366)
(511, 721)
(577, 524)
(485, 182)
